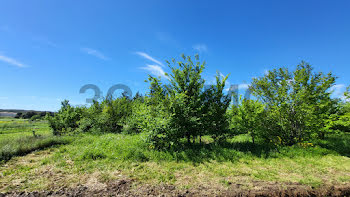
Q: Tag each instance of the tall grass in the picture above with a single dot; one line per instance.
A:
(121, 147)
(19, 137)
(238, 157)
(24, 145)
(185, 165)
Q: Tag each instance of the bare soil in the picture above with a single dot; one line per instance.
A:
(128, 187)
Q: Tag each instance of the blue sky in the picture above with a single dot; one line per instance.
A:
(50, 49)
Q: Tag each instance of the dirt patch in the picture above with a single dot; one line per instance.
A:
(128, 187)
(261, 188)
(117, 188)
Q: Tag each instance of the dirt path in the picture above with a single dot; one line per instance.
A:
(128, 188)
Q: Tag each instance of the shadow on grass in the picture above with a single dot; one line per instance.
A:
(339, 143)
(25, 145)
(235, 150)
(225, 151)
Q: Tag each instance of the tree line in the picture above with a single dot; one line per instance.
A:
(288, 107)
(33, 115)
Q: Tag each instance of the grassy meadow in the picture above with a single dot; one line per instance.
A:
(20, 136)
(45, 162)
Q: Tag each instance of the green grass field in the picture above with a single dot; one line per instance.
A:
(46, 162)
(19, 137)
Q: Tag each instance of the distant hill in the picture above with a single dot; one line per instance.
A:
(21, 113)
(8, 114)
(20, 110)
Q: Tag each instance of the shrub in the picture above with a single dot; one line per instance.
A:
(35, 117)
(110, 115)
(248, 117)
(340, 121)
(215, 120)
(184, 109)
(153, 116)
(297, 103)
(66, 119)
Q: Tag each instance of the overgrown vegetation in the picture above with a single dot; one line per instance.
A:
(289, 107)
(33, 115)
(109, 156)
(24, 145)
(187, 135)
(298, 104)
(20, 137)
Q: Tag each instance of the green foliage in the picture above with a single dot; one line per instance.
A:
(340, 121)
(108, 116)
(29, 114)
(186, 86)
(114, 114)
(298, 103)
(214, 120)
(347, 93)
(289, 107)
(19, 137)
(66, 119)
(154, 115)
(249, 117)
(35, 117)
(183, 109)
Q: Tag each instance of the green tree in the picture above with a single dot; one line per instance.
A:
(347, 93)
(214, 118)
(249, 118)
(340, 121)
(35, 117)
(298, 102)
(186, 86)
(183, 109)
(66, 119)
(153, 115)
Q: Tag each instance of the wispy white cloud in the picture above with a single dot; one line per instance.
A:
(95, 53)
(12, 61)
(155, 70)
(200, 47)
(338, 90)
(148, 57)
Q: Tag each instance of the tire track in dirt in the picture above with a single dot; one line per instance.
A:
(126, 187)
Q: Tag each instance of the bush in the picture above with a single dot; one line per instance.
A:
(215, 120)
(66, 119)
(248, 117)
(35, 117)
(184, 109)
(108, 116)
(298, 103)
(290, 107)
(340, 121)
